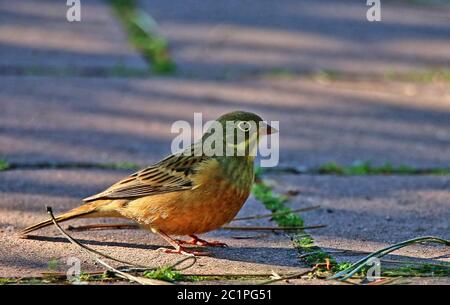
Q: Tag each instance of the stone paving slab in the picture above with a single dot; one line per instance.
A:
(368, 213)
(46, 119)
(397, 281)
(228, 38)
(35, 34)
(25, 193)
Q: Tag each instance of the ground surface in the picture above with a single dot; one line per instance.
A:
(230, 55)
(24, 203)
(233, 37)
(369, 213)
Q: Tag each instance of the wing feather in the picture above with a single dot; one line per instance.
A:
(171, 174)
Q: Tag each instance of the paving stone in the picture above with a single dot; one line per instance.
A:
(424, 281)
(398, 281)
(72, 119)
(46, 119)
(36, 34)
(25, 193)
(225, 38)
(368, 213)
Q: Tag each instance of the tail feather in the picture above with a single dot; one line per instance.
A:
(77, 212)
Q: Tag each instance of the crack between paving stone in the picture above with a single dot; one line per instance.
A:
(309, 254)
(331, 168)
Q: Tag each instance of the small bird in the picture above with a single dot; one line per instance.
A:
(187, 193)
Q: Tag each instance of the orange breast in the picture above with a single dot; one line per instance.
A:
(213, 203)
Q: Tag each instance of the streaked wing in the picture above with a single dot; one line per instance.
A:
(169, 175)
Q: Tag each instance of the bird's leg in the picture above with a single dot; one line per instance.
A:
(201, 242)
(179, 249)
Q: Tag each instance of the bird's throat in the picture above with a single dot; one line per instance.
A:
(238, 170)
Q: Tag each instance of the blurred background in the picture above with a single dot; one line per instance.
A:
(107, 88)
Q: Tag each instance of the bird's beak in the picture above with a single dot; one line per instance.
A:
(268, 129)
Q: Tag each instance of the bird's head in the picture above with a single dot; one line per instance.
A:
(239, 131)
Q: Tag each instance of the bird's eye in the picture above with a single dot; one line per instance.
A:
(244, 126)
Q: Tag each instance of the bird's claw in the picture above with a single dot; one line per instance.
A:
(184, 251)
(213, 243)
(202, 243)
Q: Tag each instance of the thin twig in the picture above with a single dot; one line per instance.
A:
(287, 277)
(63, 274)
(86, 248)
(350, 271)
(255, 228)
(383, 281)
(103, 226)
(91, 252)
(240, 228)
(309, 254)
(348, 252)
(230, 274)
(250, 236)
(400, 262)
(277, 213)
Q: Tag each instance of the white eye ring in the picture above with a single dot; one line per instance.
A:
(244, 126)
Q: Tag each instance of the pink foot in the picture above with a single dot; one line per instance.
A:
(184, 251)
(201, 242)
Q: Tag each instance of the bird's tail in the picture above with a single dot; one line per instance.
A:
(86, 210)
